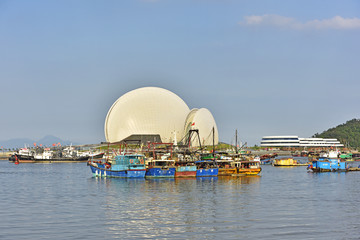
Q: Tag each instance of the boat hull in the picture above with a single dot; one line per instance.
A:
(286, 162)
(31, 159)
(331, 165)
(227, 171)
(185, 171)
(207, 172)
(248, 171)
(160, 172)
(130, 173)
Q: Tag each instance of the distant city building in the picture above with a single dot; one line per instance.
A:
(295, 141)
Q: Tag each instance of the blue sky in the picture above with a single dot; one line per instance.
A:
(261, 67)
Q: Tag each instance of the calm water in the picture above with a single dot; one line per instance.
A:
(64, 201)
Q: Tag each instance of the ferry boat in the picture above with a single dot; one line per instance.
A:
(206, 168)
(123, 166)
(251, 167)
(160, 168)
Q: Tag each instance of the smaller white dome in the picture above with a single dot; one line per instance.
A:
(203, 120)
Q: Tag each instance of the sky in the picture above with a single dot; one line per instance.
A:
(281, 67)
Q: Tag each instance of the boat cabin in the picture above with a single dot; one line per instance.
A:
(247, 164)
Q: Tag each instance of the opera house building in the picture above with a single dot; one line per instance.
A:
(158, 115)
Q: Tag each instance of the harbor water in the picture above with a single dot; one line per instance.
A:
(64, 201)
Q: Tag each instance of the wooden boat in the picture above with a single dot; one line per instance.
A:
(250, 167)
(287, 162)
(160, 168)
(122, 166)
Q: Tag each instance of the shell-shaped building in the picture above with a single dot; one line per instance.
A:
(202, 120)
(153, 111)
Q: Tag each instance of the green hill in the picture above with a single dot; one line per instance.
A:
(347, 133)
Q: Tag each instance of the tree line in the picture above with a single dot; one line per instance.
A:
(347, 133)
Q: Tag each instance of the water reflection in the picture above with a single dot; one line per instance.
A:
(144, 208)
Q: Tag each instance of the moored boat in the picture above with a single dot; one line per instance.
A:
(251, 167)
(206, 168)
(287, 162)
(160, 168)
(46, 155)
(185, 169)
(122, 166)
(226, 167)
(18, 158)
(329, 163)
(24, 155)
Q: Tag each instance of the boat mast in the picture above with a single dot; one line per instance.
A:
(236, 150)
(213, 130)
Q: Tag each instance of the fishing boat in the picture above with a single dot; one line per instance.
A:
(287, 162)
(16, 158)
(24, 155)
(185, 169)
(160, 168)
(250, 167)
(206, 168)
(266, 161)
(123, 166)
(46, 155)
(226, 167)
(329, 163)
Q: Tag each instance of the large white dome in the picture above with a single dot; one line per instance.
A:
(148, 110)
(203, 120)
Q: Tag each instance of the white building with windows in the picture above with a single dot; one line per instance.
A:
(295, 141)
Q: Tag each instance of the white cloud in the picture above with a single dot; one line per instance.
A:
(336, 22)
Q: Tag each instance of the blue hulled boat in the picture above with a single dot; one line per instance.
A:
(160, 168)
(123, 166)
(206, 168)
(329, 163)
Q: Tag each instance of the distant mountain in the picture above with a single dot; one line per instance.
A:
(48, 140)
(347, 133)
